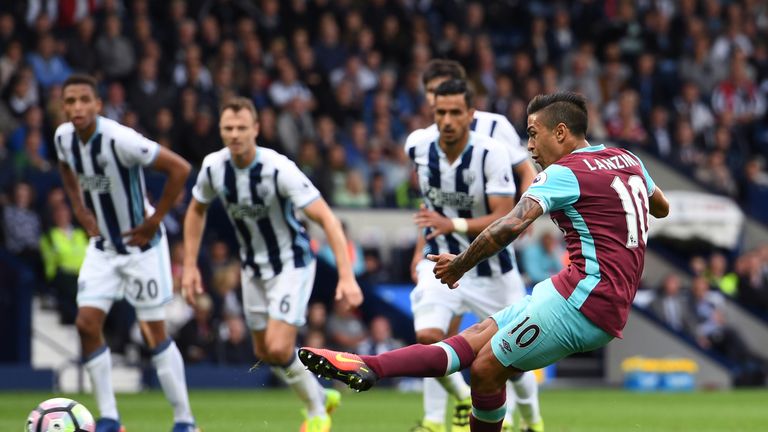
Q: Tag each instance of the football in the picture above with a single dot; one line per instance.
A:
(60, 415)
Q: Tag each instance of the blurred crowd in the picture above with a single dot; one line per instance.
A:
(338, 88)
(698, 310)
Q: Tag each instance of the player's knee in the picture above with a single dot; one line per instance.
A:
(484, 376)
(87, 325)
(278, 352)
(429, 336)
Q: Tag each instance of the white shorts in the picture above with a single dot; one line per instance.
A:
(283, 297)
(144, 279)
(434, 304)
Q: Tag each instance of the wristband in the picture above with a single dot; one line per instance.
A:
(460, 225)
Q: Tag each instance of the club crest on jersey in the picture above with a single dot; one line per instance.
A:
(468, 177)
(541, 178)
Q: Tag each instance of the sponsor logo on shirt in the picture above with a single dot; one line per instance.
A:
(457, 200)
(248, 211)
(95, 183)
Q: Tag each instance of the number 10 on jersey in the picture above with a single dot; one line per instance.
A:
(634, 199)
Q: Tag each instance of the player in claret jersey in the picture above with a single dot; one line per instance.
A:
(601, 199)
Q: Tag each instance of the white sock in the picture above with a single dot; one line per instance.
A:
(509, 417)
(455, 385)
(170, 372)
(435, 400)
(527, 396)
(304, 384)
(99, 367)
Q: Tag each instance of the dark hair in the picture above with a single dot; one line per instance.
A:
(443, 68)
(565, 107)
(240, 103)
(79, 78)
(456, 87)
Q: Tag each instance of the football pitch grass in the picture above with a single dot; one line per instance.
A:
(389, 411)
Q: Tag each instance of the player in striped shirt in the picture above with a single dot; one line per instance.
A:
(260, 190)
(524, 391)
(602, 199)
(101, 164)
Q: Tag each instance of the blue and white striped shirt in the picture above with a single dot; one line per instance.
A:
(260, 201)
(109, 168)
(461, 189)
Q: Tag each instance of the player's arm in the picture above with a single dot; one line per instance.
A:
(658, 203)
(176, 170)
(194, 224)
(347, 290)
(441, 225)
(84, 216)
(497, 236)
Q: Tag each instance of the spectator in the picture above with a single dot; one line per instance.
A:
(149, 94)
(738, 95)
(715, 174)
(197, 339)
(32, 122)
(115, 52)
(28, 162)
(22, 94)
(115, 105)
(329, 51)
(10, 62)
(754, 191)
(345, 329)
(623, 120)
(686, 154)
(658, 131)
(63, 250)
(753, 281)
(81, 48)
(380, 195)
(688, 105)
(714, 333)
(672, 306)
(22, 229)
(235, 347)
(380, 339)
(408, 193)
(49, 67)
(720, 278)
(201, 139)
(288, 88)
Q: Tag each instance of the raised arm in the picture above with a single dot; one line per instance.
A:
(499, 234)
(658, 203)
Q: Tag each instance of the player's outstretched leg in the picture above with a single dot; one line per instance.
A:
(361, 372)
